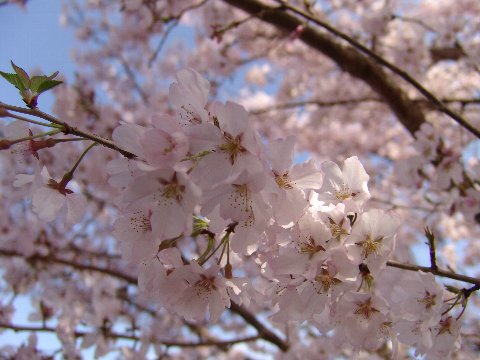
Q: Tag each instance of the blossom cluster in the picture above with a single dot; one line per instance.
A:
(328, 294)
(204, 195)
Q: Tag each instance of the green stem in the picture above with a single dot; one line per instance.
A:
(214, 251)
(226, 241)
(69, 140)
(69, 175)
(21, 118)
(211, 242)
(228, 251)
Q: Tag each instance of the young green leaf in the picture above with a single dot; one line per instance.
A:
(47, 85)
(22, 75)
(36, 81)
(30, 88)
(12, 79)
(54, 75)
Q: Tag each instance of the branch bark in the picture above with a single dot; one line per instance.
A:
(437, 271)
(351, 61)
(395, 69)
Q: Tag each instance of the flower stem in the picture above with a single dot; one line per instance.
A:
(69, 175)
(21, 118)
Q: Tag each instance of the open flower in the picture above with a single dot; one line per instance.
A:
(51, 198)
(348, 185)
(204, 289)
(372, 239)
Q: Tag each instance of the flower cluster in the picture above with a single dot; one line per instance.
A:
(204, 196)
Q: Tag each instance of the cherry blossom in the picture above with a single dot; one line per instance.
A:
(288, 180)
(50, 197)
(348, 185)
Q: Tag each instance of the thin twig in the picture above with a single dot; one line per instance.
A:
(133, 78)
(67, 129)
(414, 21)
(21, 118)
(438, 272)
(162, 42)
(116, 335)
(175, 21)
(431, 246)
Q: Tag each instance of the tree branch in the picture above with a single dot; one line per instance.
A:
(351, 61)
(395, 69)
(67, 129)
(116, 335)
(438, 272)
(263, 332)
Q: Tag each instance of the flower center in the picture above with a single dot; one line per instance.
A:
(370, 246)
(282, 180)
(366, 309)
(344, 193)
(445, 326)
(337, 230)
(326, 280)
(204, 285)
(428, 300)
(232, 147)
(310, 247)
(172, 189)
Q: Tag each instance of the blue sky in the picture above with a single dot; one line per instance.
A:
(34, 40)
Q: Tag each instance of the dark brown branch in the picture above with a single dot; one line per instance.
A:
(198, 330)
(431, 246)
(351, 61)
(263, 332)
(76, 265)
(447, 53)
(67, 129)
(395, 69)
(347, 58)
